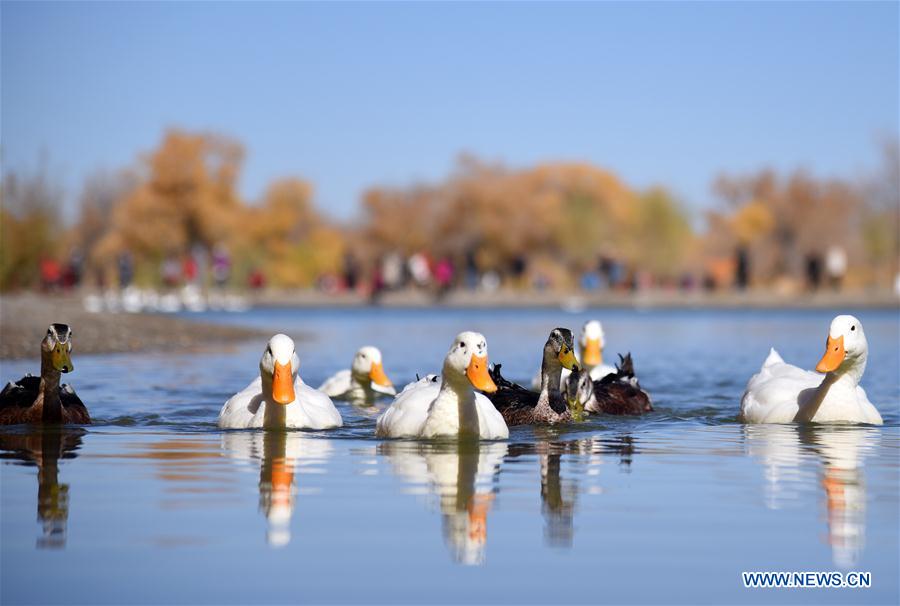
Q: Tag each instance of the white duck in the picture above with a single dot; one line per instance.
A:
(590, 354)
(278, 398)
(783, 393)
(363, 382)
(450, 407)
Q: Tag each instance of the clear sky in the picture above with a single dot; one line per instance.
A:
(349, 95)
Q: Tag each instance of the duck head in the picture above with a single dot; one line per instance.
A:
(368, 370)
(467, 362)
(591, 343)
(559, 348)
(278, 367)
(56, 348)
(846, 348)
(578, 392)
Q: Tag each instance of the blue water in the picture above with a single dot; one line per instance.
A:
(153, 504)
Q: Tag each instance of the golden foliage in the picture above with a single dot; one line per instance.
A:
(30, 228)
(184, 198)
(561, 217)
(569, 212)
(752, 221)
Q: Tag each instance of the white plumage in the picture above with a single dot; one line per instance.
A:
(783, 393)
(448, 406)
(258, 406)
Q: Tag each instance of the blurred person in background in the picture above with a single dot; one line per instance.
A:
(813, 270)
(74, 269)
(835, 266)
(490, 281)
(256, 279)
(189, 271)
(590, 280)
(471, 268)
(419, 270)
(518, 267)
(378, 284)
(742, 268)
(443, 276)
(125, 265)
(221, 266)
(170, 272)
(50, 273)
(351, 271)
(390, 275)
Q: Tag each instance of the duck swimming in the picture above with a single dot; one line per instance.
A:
(783, 393)
(278, 398)
(615, 394)
(521, 406)
(42, 399)
(590, 354)
(363, 383)
(449, 406)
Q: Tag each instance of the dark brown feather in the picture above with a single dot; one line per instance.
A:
(518, 405)
(620, 393)
(17, 403)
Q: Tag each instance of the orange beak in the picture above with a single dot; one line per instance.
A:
(283, 384)
(477, 371)
(834, 355)
(376, 374)
(592, 354)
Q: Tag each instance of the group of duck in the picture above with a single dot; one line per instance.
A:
(470, 397)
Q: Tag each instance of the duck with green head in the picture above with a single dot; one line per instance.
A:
(42, 400)
(521, 406)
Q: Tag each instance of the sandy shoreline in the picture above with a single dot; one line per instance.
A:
(24, 317)
(24, 320)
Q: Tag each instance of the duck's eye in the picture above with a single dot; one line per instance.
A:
(461, 344)
(853, 327)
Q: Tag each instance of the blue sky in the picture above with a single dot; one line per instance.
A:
(350, 95)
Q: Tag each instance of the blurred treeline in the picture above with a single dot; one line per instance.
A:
(555, 221)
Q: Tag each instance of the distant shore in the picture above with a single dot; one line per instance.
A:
(24, 320)
(24, 317)
(754, 299)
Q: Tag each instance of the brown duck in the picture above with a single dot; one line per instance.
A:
(521, 406)
(42, 399)
(617, 393)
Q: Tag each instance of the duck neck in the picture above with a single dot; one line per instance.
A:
(361, 389)
(275, 414)
(838, 386)
(551, 370)
(49, 391)
(456, 404)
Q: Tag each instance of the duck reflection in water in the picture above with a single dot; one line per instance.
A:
(559, 495)
(281, 454)
(44, 447)
(558, 498)
(841, 451)
(463, 476)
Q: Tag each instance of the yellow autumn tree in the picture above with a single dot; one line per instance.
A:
(287, 238)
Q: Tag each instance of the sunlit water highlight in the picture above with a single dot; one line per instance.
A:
(153, 504)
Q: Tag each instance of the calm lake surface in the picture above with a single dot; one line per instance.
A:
(154, 504)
